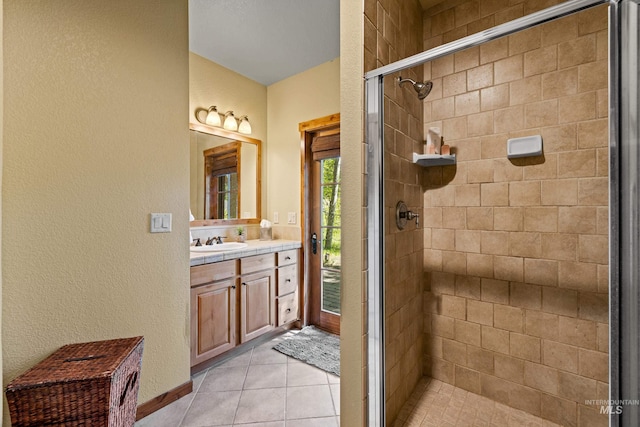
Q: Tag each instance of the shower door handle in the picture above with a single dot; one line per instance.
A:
(314, 243)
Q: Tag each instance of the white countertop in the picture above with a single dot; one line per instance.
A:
(255, 247)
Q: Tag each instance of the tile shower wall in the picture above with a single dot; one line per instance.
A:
(393, 30)
(516, 251)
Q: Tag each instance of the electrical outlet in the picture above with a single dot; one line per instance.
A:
(276, 218)
(291, 218)
(160, 223)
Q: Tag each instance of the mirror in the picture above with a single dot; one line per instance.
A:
(224, 177)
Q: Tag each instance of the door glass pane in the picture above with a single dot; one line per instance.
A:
(330, 234)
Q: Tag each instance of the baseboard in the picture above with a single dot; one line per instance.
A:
(163, 400)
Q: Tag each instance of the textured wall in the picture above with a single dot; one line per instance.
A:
(95, 138)
(516, 250)
(393, 31)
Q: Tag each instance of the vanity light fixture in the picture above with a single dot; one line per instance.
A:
(245, 126)
(213, 117)
(230, 122)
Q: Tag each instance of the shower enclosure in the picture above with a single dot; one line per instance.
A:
(536, 305)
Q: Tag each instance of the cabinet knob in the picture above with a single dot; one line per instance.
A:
(233, 286)
(288, 280)
(244, 283)
(288, 310)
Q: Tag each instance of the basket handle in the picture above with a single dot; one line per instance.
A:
(131, 382)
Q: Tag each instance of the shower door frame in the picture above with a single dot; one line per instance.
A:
(624, 198)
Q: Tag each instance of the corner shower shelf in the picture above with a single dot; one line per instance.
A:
(434, 159)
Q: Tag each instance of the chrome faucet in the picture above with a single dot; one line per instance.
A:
(216, 239)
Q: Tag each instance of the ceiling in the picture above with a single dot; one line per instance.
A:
(267, 41)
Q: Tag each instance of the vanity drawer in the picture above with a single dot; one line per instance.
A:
(287, 308)
(288, 257)
(287, 279)
(257, 263)
(201, 274)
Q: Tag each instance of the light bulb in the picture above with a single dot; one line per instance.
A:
(230, 122)
(213, 118)
(245, 126)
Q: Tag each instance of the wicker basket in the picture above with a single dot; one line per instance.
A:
(90, 384)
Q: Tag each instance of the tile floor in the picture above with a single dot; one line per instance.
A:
(437, 404)
(261, 387)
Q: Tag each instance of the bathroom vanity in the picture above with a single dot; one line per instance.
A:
(239, 295)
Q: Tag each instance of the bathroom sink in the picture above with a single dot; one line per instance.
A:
(230, 246)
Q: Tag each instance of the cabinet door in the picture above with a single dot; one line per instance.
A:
(257, 305)
(213, 320)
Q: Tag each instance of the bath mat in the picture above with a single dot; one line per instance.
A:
(314, 347)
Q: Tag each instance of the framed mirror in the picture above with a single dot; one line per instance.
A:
(224, 177)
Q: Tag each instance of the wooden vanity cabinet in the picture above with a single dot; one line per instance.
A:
(257, 298)
(214, 296)
(288, 285)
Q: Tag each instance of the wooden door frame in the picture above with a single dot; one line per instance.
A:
(306, 130)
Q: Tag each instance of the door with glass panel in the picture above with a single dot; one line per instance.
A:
(324, 232)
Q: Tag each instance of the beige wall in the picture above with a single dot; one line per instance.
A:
(393, 31)
(352, 326)
(1, 143)
(95, 139)
(516, 250)
(305, 96)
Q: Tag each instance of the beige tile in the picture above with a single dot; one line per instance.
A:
(480, 124)
(602, 337)
(509, 368)
(467, 241)
(454, 217)
(524, 41)
(453, 306)
(495, 388)
(561, 356)
(442, 283)
(480, 265)
(560, 30)
(466, 59)
(508, 219)
(467, 332)
(575, 164)
(467, 287)
(560, 411)
(575, 108)
(560, 301)
(508, 119)
(467, 195)
(559, 192)
(495, 339)
(494, 243)
(593, 248)
(593, 306)
(442, 326)
(578, 275)
(524, 244)
(593, 20)
(508, 318)
(442, 67)
(467, 379)
(581, 333)
(546, 167)
(541, 272)
(442, 108)
(508, 69)
(261, 405)
(480, 360)
(480, 312)
(560, 247)
(494, 97)
(593, 364)
(480, 77)
(542, 325)
(480, 218)
(525, 296)
(589, 416)
(593, 192)
(494, 291)
(560, 83)
(506, 171)
(524, 194)
(540, 61)
(541, 377)
(442, 370)
(576, 388)
(454, 84)
(494, 50)
(226, 405)
(454, 351)
(577, 51)
(525, 347)
(541, 219)
(577, 219)
(593, 76)
(467, 103)
(508, 268)
(455, 128)
(525, 91)
(540, 114)
(494, 194)
(298, 398)
(443, 239)
(560, 138)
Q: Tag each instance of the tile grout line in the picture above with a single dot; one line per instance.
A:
(186, 411)
(246, 373)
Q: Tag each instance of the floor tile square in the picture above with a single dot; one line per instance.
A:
(266, 355)
(302, 374)
(335, 395)
(266, 376)
(309, 402)
(170, 415)
(224, 379)
(261, 406)
(313, 422)
(212, 409)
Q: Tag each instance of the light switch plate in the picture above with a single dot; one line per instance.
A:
(276, 218)
(291, 218)
(160, 222)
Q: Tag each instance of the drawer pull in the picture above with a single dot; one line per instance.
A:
(288, 310)
(288, 280)
(287, 258)
(233, 286)
(244, 283)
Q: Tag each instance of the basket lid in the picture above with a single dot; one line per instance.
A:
(74, 362)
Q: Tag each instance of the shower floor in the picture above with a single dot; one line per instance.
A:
(437, 404)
